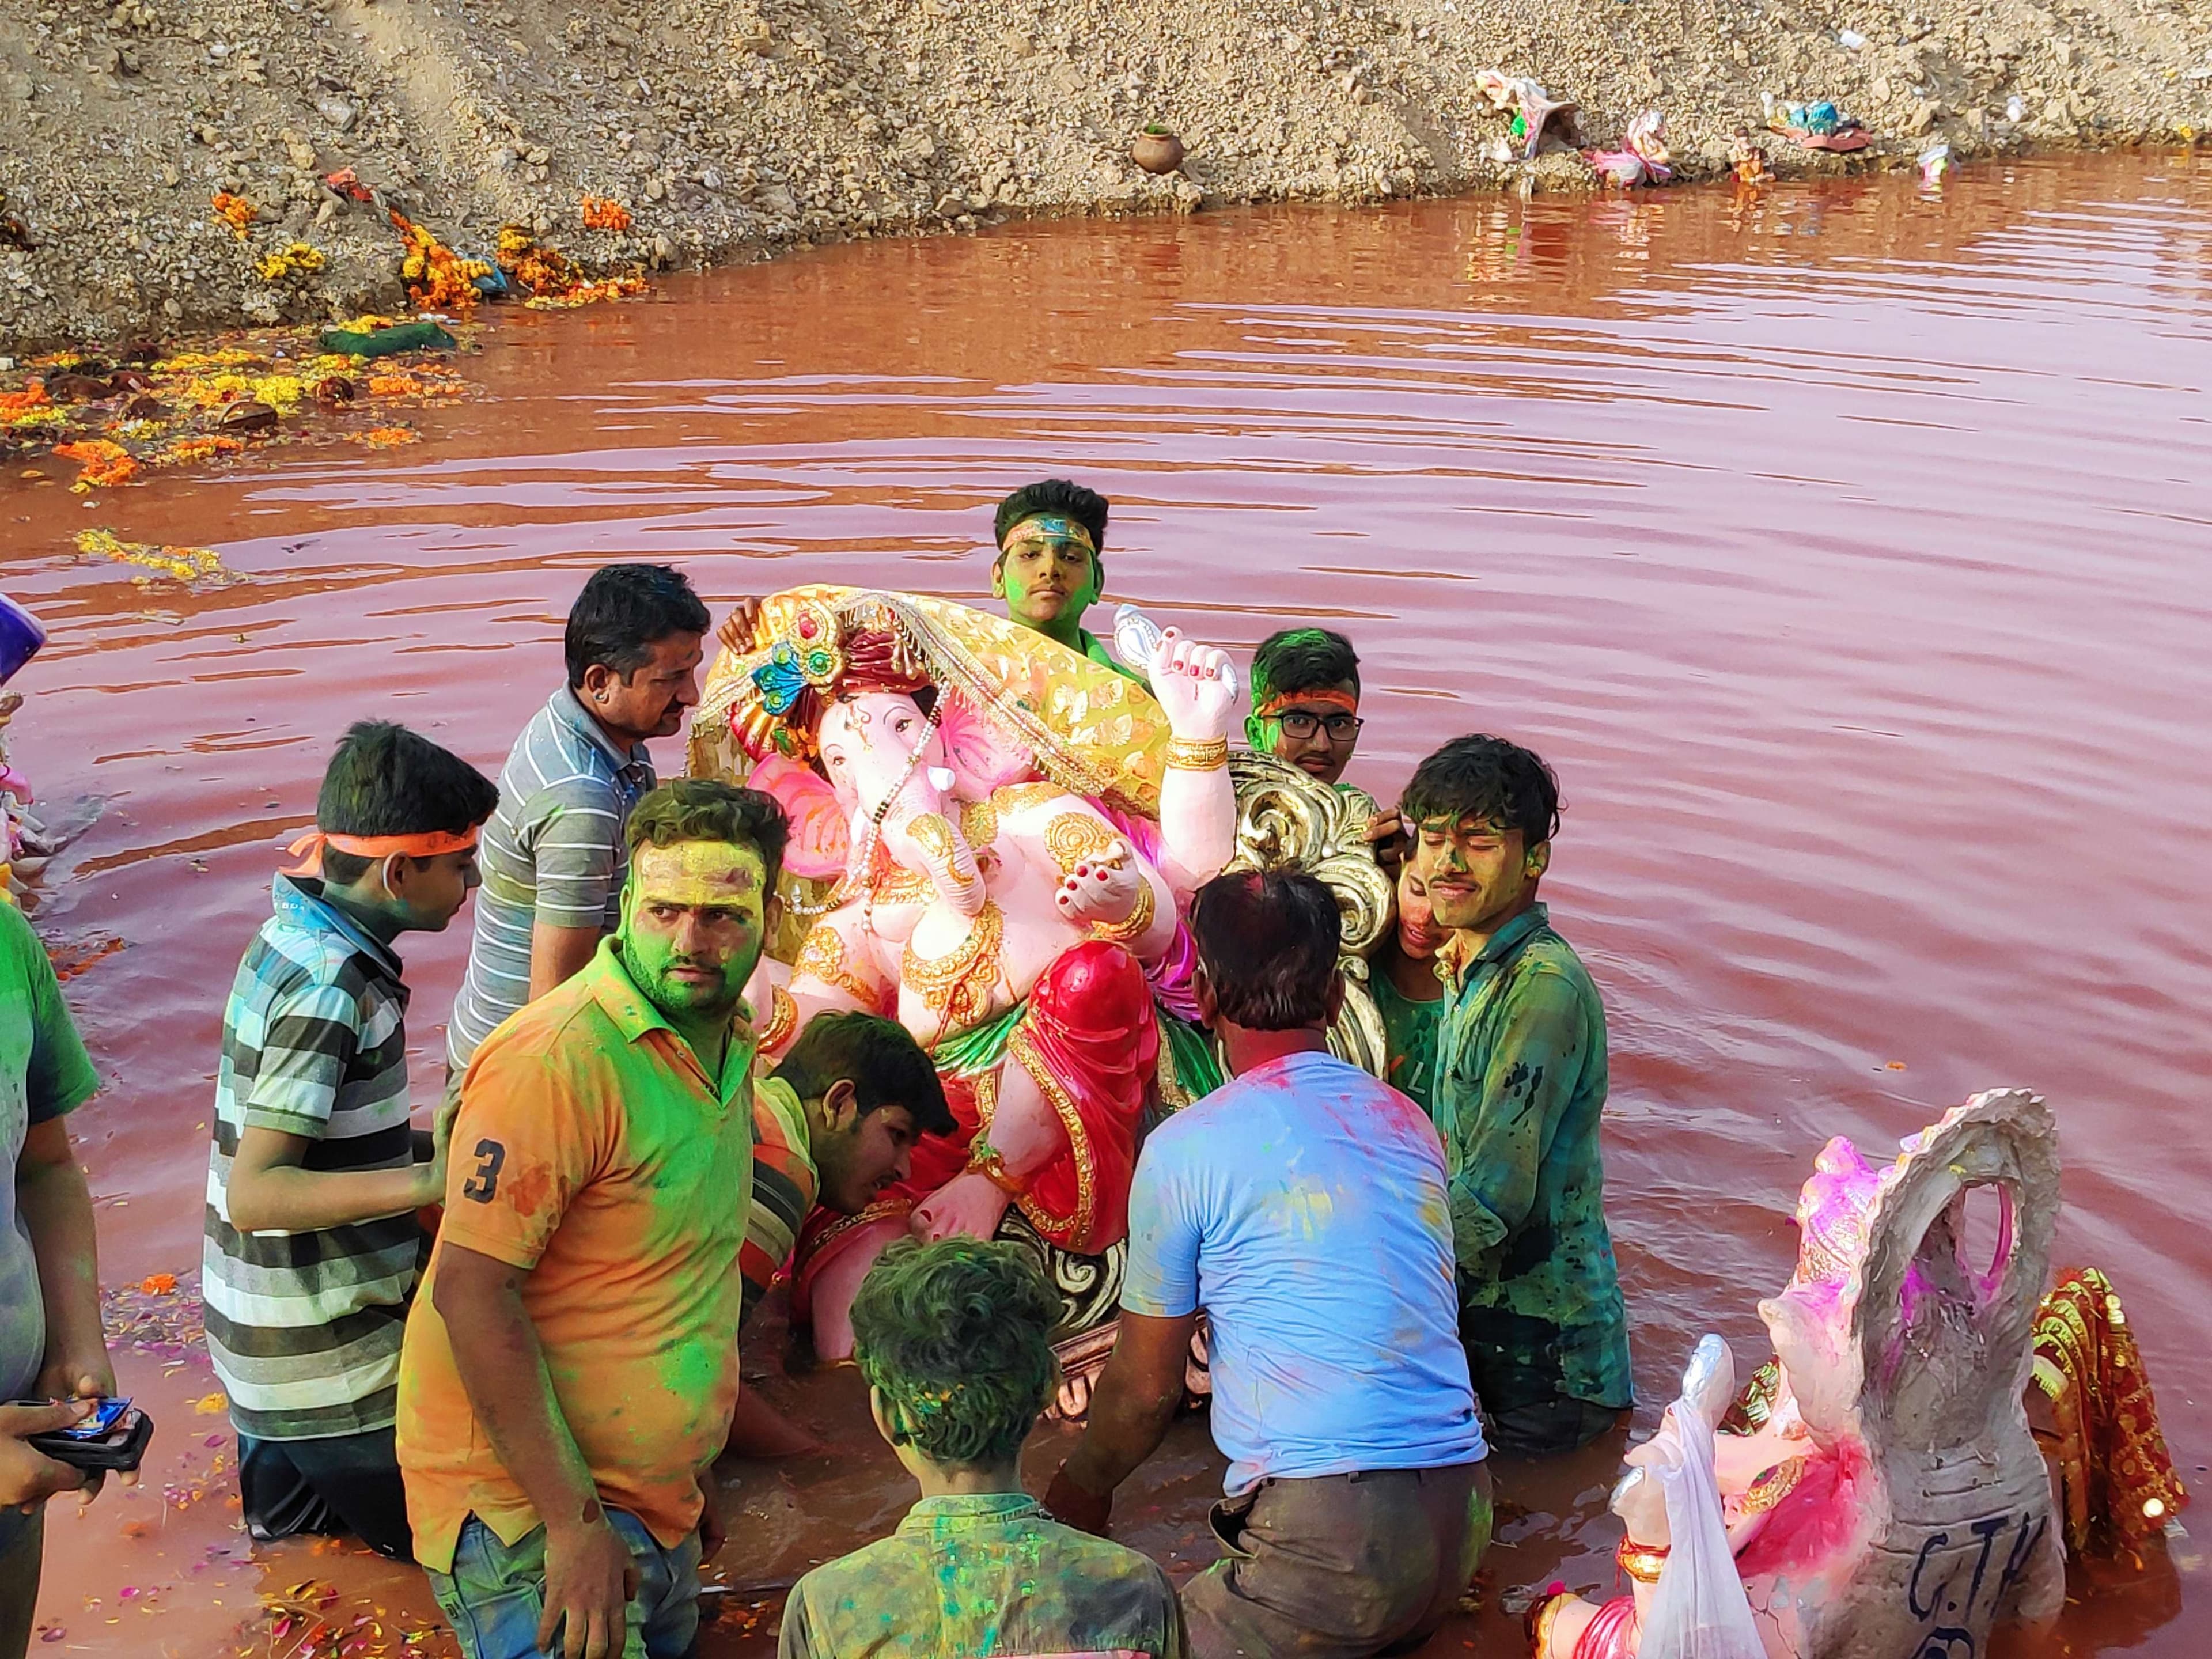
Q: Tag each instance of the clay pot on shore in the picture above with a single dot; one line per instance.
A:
(1157, 150)
(335, 389)
(248, 417)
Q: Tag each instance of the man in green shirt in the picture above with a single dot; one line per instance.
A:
(1521, 1083)
(51, 1346)
(953, 1338)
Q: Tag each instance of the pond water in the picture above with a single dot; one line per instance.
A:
(1845, 550)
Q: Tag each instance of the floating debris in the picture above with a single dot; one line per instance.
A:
(1532, 108)
(1935, 166)
(1819, 126)
(194, 566)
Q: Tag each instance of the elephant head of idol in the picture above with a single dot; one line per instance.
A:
(869, 760)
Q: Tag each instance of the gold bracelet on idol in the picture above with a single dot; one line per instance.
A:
(1198, 754)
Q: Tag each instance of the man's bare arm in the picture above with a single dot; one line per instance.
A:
(1130, 1411)
(557, 955)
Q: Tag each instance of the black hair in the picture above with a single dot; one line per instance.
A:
(702, 809)
(1490, 779)
(879, 1057)
(623, 611)
(957, 1335)
(1268, 940)
(1060, 496)
(1303, 660)
(387, 781)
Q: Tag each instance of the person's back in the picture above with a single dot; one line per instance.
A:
(1303, 1207)
(954, 1340)
(1316, 1196)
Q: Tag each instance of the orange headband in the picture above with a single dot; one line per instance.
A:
(1330, 696)
(427, 845)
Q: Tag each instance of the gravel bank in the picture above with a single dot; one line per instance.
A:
(730, 129)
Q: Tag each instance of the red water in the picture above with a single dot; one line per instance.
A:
(1845, 553)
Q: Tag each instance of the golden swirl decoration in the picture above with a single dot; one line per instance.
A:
(1093, 730)
(1288, 819)
(1074, 838)
(933, 835)
(783, 1021)
(979, 824)
(956, 987)
(1022, 797)
(822, 957)
(1771, 1487)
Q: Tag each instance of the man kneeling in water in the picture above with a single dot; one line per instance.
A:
(952, 1337)
(1303, 1207)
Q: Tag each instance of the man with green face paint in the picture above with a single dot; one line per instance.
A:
(1050, 571)
(571, 1365)
(1519, 1087)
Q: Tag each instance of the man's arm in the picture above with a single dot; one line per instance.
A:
(558, 954)
(589, 1575)
(573, 830)
(1504, 1136)
(269, 1192)
(56, 1206)
(1130, 1411)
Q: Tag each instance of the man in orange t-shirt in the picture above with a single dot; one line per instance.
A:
(571, 1363)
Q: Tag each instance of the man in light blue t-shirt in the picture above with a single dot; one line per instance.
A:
(1303, 1207)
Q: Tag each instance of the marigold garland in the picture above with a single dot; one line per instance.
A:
(295, 261)
(186, 564)
(386, 437)
(603, 213)
(235, 211)
(101, 463)
(436, 276)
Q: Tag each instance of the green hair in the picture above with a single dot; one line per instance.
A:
(956, 1334)
(1303, 660)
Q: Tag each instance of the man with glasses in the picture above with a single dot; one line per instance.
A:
(1305, 701)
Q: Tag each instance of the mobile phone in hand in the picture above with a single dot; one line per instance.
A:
(113, 1438)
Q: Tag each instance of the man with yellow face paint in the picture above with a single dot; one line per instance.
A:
(571, 1366)
(1519, 1086)
(1050, 571)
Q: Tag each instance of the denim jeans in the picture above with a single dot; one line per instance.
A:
(495, 1594)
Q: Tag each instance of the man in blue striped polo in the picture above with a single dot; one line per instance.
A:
(554, 857)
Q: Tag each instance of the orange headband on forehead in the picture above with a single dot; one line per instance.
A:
(1328, 696)
(427, 845)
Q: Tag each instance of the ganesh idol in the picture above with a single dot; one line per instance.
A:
(992, 837)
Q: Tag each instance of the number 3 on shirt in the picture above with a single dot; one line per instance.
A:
(484, 1182)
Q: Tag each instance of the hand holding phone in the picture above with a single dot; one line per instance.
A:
(111, 1436)
(27, 1476)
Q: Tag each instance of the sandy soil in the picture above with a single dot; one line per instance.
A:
(732, 128)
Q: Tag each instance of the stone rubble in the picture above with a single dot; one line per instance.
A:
(733, 128)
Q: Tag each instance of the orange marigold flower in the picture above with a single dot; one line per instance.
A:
(603, 213)
(101, 463)
(235, 211)
(393, 385)
(435, 278)
(158, 1284)
(387, 437)
(33, 396)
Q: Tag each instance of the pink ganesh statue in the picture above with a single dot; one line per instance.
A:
(1877, 1484)
(991, 838)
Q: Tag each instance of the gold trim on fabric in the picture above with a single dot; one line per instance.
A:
(822, 957)
(1076, 1226)
(979, 824)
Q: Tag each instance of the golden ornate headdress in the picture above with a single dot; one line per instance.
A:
(1091, 730)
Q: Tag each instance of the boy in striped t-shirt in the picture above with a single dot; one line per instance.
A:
(313, 1245)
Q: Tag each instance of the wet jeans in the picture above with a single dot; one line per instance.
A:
(1340, 1566)
(495, 1594)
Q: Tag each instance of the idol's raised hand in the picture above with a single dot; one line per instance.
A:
(1196, 684)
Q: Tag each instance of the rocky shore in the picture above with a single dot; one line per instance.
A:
(730, 129)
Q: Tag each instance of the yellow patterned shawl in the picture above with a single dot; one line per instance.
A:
(1093, 730)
